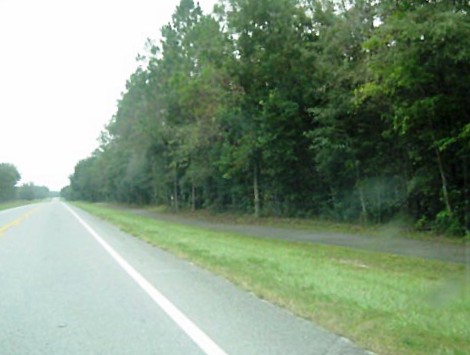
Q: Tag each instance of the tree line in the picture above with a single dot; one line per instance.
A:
(9, 178)
(353, 110)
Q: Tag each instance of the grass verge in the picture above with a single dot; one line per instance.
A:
(388, 304)
(13, 204)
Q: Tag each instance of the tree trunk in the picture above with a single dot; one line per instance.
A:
(193, 197)
(256, 188)
(361, 195)
(363, 205)
(466, 194)
(334, 204)
(445, 192)
(155, 192)
(175, 191)
(378, 190)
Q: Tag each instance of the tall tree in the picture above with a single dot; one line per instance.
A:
(344, 134)
(420, 60)
(9, 176)
(272, 41)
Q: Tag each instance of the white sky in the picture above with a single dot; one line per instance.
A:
(63, 66)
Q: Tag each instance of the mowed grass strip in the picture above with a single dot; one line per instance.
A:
(385, 303)
(13, 204)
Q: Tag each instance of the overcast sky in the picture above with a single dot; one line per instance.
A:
(63, 66)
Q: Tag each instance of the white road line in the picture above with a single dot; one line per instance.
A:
(197, 335)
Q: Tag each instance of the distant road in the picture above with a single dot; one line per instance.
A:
(72, 284)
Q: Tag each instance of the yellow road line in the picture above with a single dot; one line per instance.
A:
(17, 221)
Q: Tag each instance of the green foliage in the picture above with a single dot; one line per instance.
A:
(448, 224)
(31, 192)
(419, 60)
(9, 176)
(354, 110)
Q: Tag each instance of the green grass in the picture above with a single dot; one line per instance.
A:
(13, 204)
(385, 303)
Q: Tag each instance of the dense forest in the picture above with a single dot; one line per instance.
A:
(352, 110)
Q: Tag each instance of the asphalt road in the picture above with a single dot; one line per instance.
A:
(72, 284)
